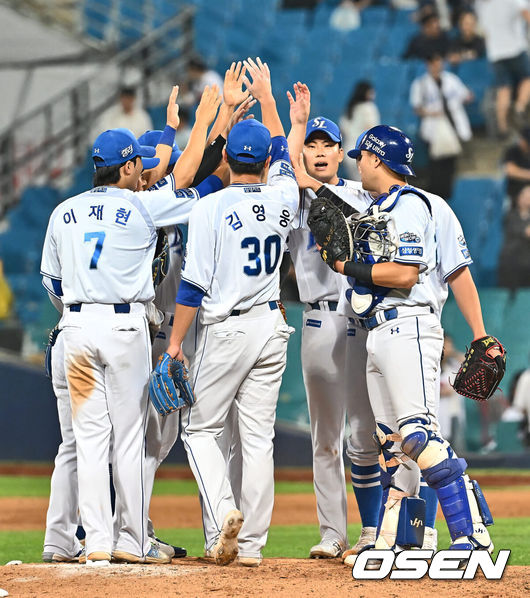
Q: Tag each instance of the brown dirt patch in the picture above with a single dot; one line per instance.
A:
(275, 577)
(289, 509)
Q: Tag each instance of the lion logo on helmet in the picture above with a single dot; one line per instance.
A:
(409, 155)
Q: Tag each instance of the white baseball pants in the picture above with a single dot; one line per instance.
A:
(107, 363)
(239, 360)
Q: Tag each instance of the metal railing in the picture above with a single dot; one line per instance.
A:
(47, 143)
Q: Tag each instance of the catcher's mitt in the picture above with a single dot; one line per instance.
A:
(169, 388)
(331, 231)
(482, 370)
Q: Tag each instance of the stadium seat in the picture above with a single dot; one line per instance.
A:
(375, 15)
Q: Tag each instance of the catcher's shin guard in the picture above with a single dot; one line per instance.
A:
(463, 504)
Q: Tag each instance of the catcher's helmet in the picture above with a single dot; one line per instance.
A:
(390, 145)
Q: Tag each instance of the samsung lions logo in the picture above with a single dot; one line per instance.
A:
(409, 155)
(462, 241)
(320, 123)
(127, 151)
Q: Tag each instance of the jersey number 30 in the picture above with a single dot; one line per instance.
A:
(253, 244)
(100, 236)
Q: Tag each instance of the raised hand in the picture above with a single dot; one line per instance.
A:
(207, 108)
(302, 178)
(261, 87)
(233, 93)
(173, 119)
(300, 105)
(240, 114)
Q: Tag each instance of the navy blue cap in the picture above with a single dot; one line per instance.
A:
(249, 141)
(116, 146)
(151, 138)
(325, 125)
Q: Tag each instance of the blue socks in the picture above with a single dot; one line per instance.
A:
(368, 492)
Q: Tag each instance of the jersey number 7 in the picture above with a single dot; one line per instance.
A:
(253, 243)
(100, 236)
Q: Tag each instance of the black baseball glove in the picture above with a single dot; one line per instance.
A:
(482, 370)
(331, 231)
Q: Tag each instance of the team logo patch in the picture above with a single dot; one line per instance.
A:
(409, 238)
(465, 253)
(407, 250)
(184, 193)
(127, 151)
(462, 241)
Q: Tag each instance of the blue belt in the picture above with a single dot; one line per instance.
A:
(119, 308)
(331, 304)
(237, 312)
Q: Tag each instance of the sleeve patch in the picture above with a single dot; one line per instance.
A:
(287, 170)
(409, 238)
(465, 253)
(407, 250)
(184, 193)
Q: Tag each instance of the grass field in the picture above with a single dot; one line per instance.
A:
(284, 541)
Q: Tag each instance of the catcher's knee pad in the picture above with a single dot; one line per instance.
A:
(421, 442)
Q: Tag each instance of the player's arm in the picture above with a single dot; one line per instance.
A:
(468, 301)
(233, 95)
(387, 274)
(516, 172)
(213, 154)
(165, 144)
(261, 89)
(299, 109)
(191, 157)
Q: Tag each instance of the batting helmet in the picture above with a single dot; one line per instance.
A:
(390, 145)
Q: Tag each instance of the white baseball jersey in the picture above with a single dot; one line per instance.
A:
(100, 243)
(415, 228)
(233, 256)
(315, 279)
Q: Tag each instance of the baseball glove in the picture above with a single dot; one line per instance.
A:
(52, 338)
(482, 370)
(169, 387)
(160, 264)
(331, 231)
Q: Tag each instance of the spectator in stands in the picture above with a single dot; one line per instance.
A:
(517, 165)
(126, 114)
(468, 44)
(438, 97)
(503, 22)
(347, 15)
(452, 412)
(6, 295)
(514, 261)
(431, 39)
(199, 76)
(361, 114)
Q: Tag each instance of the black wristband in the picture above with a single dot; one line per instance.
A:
(361, 272)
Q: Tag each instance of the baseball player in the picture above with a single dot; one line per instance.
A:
(238, 353)
(329, 343)
(97, 259)
(397, 303)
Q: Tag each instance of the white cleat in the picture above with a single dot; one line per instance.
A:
(249, 561)
(367, 538)
(225, 550)
(327, 549)
(430, 539)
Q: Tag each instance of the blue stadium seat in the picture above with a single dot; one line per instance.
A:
(375, 15)
(95, 17)
(396, 41)
(478, 76)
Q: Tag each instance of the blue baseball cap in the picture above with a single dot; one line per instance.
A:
(151, 138)
(325, 125)
(116, 146)
(249, 141)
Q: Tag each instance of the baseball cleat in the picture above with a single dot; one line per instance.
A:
(155, 556)
(164, 548)
(430, 539)
(366, 540)
(95, 559)
(327, 549)
(178, 552)
(56, 557)
(225, 549)
(249, 561)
